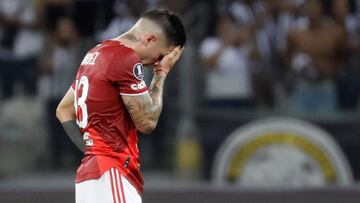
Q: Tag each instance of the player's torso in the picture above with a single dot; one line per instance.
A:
(101, 114)
(108, 71)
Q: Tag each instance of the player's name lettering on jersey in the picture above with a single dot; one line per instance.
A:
(138, 86)
(90, 58)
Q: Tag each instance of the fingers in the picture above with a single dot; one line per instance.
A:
(170, 59)
(176, 53)
(179, 50)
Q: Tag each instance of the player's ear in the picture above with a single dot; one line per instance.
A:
(149, 38)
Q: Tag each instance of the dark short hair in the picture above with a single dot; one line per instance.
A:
(170, 23)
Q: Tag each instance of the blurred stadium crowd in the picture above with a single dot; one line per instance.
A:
(253, 55)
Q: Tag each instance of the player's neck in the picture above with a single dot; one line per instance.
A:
(129, 36)
(128, 39)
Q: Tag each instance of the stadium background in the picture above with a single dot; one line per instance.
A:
(43, 41)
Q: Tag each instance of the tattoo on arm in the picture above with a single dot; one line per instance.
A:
(156, 90)
(145, 109)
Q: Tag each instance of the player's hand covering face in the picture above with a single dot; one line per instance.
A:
(168, 61)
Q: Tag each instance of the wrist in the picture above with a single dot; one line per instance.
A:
(161, 71)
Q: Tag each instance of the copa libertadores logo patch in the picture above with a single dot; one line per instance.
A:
(138, 71)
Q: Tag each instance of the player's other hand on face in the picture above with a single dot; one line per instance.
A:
(168, 61)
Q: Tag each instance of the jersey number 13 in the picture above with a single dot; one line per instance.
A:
(80, 93)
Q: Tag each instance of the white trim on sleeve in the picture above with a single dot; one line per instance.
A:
(136, 94)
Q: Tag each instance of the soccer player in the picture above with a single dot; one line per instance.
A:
(109, 102)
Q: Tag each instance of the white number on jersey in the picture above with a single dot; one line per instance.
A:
(81, 102)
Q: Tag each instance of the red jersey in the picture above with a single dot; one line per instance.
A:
(108, 71)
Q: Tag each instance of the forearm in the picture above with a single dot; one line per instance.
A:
(156, 91)
(73, 131)
(153, 108)
(65, 112)
(145, 109)
(67, 120)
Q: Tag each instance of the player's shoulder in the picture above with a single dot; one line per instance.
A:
(125, 55)
(121, 59)
(118, 49)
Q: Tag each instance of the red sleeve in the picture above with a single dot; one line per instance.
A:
(73, 85)
(127, 73)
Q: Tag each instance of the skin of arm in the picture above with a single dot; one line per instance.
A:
(65, 112)
(145, 109)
